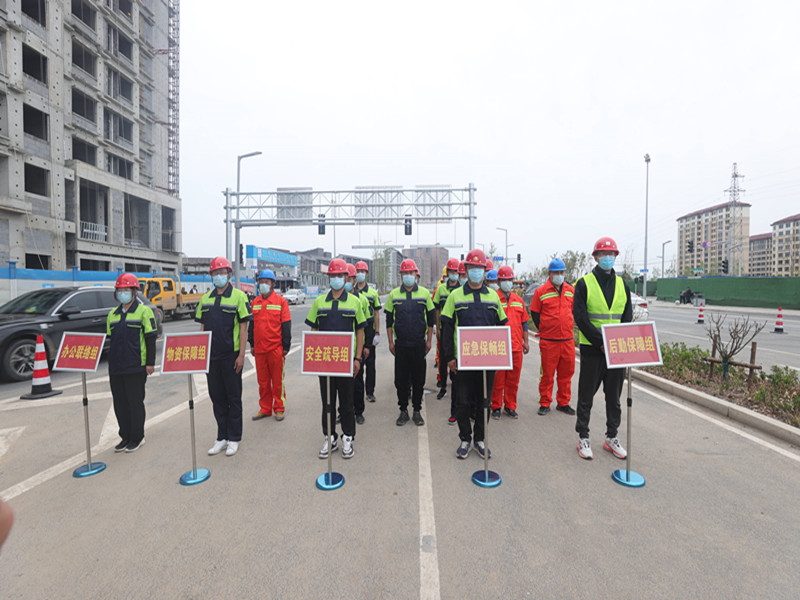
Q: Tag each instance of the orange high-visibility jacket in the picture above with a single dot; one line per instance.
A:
(555, 310)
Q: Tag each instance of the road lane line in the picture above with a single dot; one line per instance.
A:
(428, 552)
(722, 424)
(8, 437)
(54, 401)
(110, 427)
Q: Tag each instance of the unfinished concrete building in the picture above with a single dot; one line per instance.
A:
(89, 134)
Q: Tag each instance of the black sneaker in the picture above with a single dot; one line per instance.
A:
(417, 418)
(371, 397)
(338, 419)
(134, 446)
(543, 410)
(442, 393)
(121, 446)
(402, 419)
(360, 419)
(511, 413)
(566, 409)
(496, 414)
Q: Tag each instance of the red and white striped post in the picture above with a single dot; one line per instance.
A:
(700, 318)
(779, 322)
(41, 387)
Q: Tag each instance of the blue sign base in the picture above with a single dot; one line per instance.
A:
(86, 470)
(480, 478)
(330, 482)
(195, 477)
(621, 477)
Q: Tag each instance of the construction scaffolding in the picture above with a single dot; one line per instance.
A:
(173, 97)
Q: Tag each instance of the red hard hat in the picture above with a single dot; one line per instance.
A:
(489, 264)
(505, 272)
(337, 267)
(452, 264)
(351, 270)
(127, 280)
(361, 266)
(220, 262)
(605, 244)
(476, 258)
(408, 265)
(462, 270)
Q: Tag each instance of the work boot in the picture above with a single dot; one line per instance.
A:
(496, 414)
(511, 413)
(402, 419)
(566, 409)
(543, 410)
(279, 415)
(360, 419)
(417, 418)
(260, 415)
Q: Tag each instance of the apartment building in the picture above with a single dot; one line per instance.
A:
(430, 262)
(760, 255)
(714, 234)
(786, 247)
(89, 134)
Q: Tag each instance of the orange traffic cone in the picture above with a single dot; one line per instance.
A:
(779, 322)
(700, 318)
(41, 375)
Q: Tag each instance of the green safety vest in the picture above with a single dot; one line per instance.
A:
(600, 313)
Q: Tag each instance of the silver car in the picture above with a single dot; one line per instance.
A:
(294, 296)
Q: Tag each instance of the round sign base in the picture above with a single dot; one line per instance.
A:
(480, 478)
(621, 477)
(86, 470)
(195, 477)
(328, 482)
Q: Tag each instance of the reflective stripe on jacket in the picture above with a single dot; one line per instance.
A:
(599, 312)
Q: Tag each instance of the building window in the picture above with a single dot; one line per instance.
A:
(124, 7)
(83, 105)
(37, 180)
(117, 127)
(35, 9)
(119, 166)
(117, 85)
(34, 122)
(117, 44)
(84, 11)
(34, 64)
(84, 152)
(37, 261)
(83, 59)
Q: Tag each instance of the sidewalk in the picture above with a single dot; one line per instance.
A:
(773, 312)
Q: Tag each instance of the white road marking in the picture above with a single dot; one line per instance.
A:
(53, 401)
(428, 552)
(721, 424)
(110, 427)
(8, 437)
(789, 367)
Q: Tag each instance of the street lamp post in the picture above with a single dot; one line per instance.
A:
(505, 256)
(235, 254)
(662, 256)
(646, 206)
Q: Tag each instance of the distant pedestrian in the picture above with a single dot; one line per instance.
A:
(372, 337)
(443, 290)
(369, 333)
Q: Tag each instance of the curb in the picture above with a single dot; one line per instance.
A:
(742, 415)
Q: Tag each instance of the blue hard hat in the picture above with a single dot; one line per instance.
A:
(266, 274)
(557, 265)
(491, 275)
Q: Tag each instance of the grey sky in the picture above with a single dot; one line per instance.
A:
(548, 107)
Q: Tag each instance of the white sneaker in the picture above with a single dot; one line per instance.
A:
(585, 448)
(232, 448)
(323, 453)
(218, 447)
(347, 446)
(613, 446)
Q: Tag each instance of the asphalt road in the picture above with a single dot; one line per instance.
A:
(717, 518)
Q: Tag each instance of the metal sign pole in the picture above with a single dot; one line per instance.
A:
(196, 475)
(89, 468)
(627, 477)
(486, 478)
(330, 480)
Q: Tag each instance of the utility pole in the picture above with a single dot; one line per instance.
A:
(505, 256)
(646, 207)
(735, 244)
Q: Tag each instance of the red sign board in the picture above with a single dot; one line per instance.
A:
(79, 351)
(631, 345)
(186, 352)
(484, 348)
(328, 353)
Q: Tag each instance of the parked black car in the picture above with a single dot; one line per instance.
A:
(50, 312)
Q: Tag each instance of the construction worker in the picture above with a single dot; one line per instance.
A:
(339, 310)
(600, 297)
(474, 304)
(506, 383)
(132, 333)
(374, 321)
(270, 337)
(410, 317)
(225, 312)
(439, 298)
(369, 334)
(551, 311)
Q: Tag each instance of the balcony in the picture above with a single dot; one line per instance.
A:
(94, 232)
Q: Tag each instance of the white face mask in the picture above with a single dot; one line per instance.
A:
(557, 280)
(494, 286)
(506, 286)
(264, 289)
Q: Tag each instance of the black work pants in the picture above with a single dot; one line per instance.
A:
(225, 390)
(128, 394)
(369, 368)
(593, 372)
(471, 402)
(358, 389)
(409, 366)
(342, 388)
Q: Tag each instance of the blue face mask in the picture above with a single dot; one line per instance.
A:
(409, 280)
(124, 297)
(462, 280)
(452, 277)
(348, 287)
(506, 286)
(558, 279)
(361, 277)
(606, 263)
(219, 281)
(475, 275)
(337, 283)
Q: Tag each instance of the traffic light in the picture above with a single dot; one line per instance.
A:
(519, 258)
(321, 224)
(462, 258)
(690, 245)
(408, 226)
(241, 254)
(725, 266)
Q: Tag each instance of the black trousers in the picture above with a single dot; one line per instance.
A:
(343, 390)
(470, 402)
(225, 390)
(128, 394)
(409, 365)
(370, 370)
(358, 390)
(593, 373)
